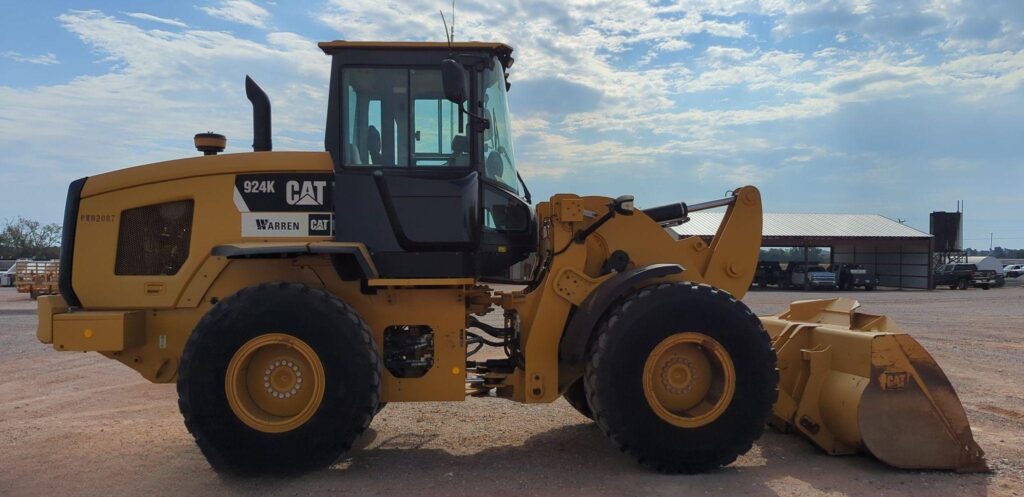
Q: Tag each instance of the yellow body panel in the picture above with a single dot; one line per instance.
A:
(48, 305)
(212, 165)
(101, 331)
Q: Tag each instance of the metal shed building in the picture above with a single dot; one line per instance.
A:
(901, 256)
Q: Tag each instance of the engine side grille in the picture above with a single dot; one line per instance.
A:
(153, 240)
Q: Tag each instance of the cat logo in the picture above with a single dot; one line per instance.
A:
(305, 193)
(320, 225)
(893, 380)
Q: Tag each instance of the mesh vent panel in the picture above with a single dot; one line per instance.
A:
(153, 240)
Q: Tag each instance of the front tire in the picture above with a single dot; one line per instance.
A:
(576, 396)
(278, 378)
(681, 377)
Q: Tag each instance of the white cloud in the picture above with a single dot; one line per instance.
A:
(715, 52)
(162, 88)
(738, 174)
(617, 49)
(732, 67)
(674, 45)
(697, 85)
(45, 59)
(240, 11)
(150, 17)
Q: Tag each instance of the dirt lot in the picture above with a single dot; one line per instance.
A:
(79, 424)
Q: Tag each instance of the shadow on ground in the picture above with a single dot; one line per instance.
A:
(577, 460)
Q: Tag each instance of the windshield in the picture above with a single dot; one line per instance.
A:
(499, 159)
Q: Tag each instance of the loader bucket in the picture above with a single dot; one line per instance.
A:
(853, 382)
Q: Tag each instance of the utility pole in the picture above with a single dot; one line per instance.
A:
(990, 238)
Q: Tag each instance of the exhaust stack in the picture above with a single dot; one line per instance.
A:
(260, 116)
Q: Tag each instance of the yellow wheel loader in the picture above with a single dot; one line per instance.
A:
(290, 295)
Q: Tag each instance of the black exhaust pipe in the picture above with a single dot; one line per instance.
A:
(260, 116)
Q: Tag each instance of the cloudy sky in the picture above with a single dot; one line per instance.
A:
(858, 106)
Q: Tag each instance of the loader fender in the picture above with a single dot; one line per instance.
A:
(363, 266)
(573, 349)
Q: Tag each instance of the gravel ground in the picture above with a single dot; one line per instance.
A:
(79, 424)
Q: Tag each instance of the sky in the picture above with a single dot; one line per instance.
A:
(896, 108)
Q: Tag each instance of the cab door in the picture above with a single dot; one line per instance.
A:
(406, 186)
(508, 231)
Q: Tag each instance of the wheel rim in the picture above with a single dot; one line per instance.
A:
(689, 379)
(274, 383)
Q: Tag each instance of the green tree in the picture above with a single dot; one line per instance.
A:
(793, 254)
(24, 238)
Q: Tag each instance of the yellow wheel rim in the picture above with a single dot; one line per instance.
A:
(689, 379)
(274, 383)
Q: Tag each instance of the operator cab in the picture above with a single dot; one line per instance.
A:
(428, 184)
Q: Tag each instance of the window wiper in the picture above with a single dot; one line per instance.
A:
(526, 191)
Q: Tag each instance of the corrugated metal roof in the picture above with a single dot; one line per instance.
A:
(808, 225)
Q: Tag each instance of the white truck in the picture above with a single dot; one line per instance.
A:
(7, 277)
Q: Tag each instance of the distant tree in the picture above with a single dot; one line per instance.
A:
(997, 252)
(24, 238)
(791, 254)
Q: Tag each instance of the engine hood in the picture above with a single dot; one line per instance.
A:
(206, 166)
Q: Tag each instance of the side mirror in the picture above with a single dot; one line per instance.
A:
(453, 76)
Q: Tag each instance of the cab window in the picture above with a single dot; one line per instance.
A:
(400, 118)
(504, 213)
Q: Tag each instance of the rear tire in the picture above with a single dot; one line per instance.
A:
(576, 396)
(961, 285)
(692, 438)
(343, 364)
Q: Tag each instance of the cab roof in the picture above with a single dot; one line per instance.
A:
(500, 50)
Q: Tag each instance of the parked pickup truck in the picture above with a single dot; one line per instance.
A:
(768, 273)
(962, 276)
(850, 276)
(815, 276)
